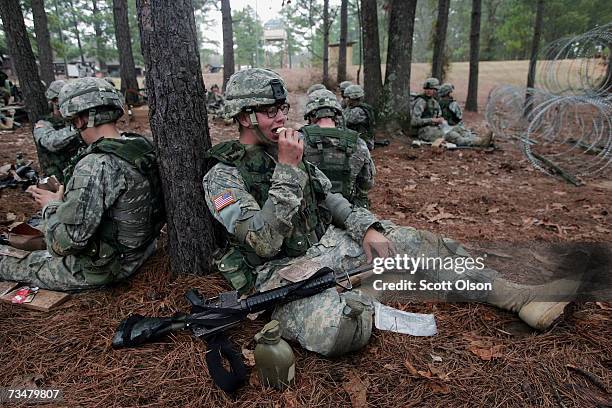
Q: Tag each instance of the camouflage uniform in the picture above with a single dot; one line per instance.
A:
(452, 113)
(339, 153)
(343, 85)
(315, 87)
(424, 109)
(358, 115)
(56, 143)
(107, 223)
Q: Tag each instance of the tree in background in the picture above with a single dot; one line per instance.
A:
(396, 108)
(439, 41)
(21, 52)
(371, 53)
(43, 40)
(97, 19)
(248, 33)
(471, 103)
(326, 28)
(75, 18)
(228, 42)
(343, 40)
(177, 103)
(124, 45)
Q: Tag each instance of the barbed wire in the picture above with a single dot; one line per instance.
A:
(565, 124)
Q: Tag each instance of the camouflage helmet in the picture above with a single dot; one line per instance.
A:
(431, 83)
(315, 87)
(354, 92)
(445, 89)
(253, 87)
(54, 89)
(323, 103)
(84, 94)
(343, 85)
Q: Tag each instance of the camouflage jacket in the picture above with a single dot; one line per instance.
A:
(344, 158)
(361, 119)
(56, 145)
(451, 111)
(423, 110)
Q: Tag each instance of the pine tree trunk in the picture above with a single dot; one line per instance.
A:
(396, 112)
(437, 64)
(100, 49)
(124, 46)
(43, 39)
(343, 34)
(179, 123)
(326, 27)
(371, 53)
(76, 32)
(535, 45)
(471, 103)
(228, 42)
(21, 53)
(60, 34)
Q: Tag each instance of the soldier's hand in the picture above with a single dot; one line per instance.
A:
(290, 147)
(437, 121)
(376, 244)
(44, 197)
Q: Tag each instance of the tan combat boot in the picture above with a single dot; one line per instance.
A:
(523, 299)
(484, 141)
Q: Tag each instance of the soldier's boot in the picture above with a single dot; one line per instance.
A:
(483, 141)
(540, 306)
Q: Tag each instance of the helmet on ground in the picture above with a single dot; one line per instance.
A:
(93, 95)
(354, 92)
(431, 83)
(321, 104)
(343, 85)
(445, 89)
(315, 87)
(253, 87)
(54, 89)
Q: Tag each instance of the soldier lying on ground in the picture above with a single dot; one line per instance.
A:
(339, 153)
(278, 211)
(106, 223)
(56, 141)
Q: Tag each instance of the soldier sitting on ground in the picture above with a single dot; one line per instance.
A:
(452, 113)
(106, 223)
(56, 141)
(280, 213)
(426, 116)
(358, 115)
(339, 153)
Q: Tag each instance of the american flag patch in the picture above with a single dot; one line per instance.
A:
(223, 200)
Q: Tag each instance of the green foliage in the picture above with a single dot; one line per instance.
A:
(248, 37)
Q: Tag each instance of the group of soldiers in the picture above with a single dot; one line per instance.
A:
(285, 198)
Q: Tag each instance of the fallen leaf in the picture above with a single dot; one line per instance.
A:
(357, 390)
(561, 193)
(493, 210)
(601, 229)
(250, 357)
(441, 216)
(410, 368)
(439, 387)
(435, 358)
(290, 400)
(254, 379)
(391, 367)
(437, 372)
(604, 306)
(11, 216)
(484, 348)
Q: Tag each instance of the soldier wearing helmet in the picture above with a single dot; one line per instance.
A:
(104, 224)
(315, 87)
(426, 115)
(56, 142)
(452, 113)
(339, 153)
(358, 115)
(342, 87)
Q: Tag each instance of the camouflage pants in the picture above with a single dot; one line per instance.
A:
(460, 136)
(330, 323)
(430, 133)
(42, 269)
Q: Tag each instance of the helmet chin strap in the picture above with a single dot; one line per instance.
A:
(263, 138)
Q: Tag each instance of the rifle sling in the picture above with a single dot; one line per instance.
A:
(220, 347)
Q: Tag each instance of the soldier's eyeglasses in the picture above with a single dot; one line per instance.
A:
(272, 111)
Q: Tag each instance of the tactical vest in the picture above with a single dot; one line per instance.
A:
(330, 149)
(365, 131)
(432, 108)
(447, 113)
(256, 168)
(135, 218)
(54, 163)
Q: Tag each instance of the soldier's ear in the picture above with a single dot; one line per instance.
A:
(244, 120)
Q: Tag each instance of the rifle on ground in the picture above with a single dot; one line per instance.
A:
(209, 318)
(23, 176)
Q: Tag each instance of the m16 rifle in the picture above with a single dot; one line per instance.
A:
(209, 318)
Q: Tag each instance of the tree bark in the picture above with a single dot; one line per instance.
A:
(326, 27)
(100, 49)
(25, 63)
(43, 39)
(372, 81)
(535, 45)
(124, 46)
(343, 34)
(60, 33)
(396, 111)
(228, 42)
(177, 103)
(471, 104)
(437, 64)
(76, 31)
